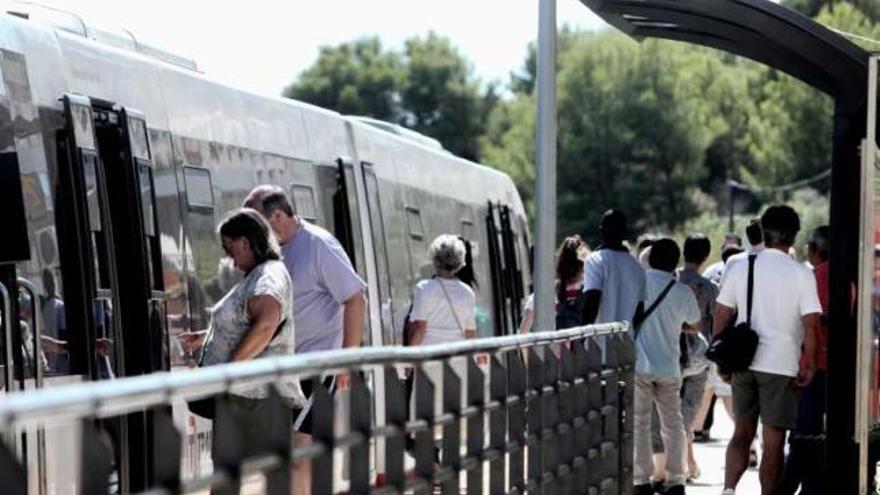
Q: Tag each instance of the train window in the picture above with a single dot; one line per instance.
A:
(414, 223)
(304, 202)
(146, 186)
(137, 130)
(467, 229)
(199, 192)
(90, 177)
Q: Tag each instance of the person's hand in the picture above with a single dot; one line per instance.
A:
(103, 346)
(805, 375)
(191, 341)
(725, 377)
(343, 381)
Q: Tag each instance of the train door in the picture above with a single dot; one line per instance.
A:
(111, 258)
(380, 252)
(507, 279)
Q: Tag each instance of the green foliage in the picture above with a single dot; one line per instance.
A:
(429, 87)
(356, 78)
(656, 128)
(440, 96)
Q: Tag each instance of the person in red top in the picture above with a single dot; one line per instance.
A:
(804, 467)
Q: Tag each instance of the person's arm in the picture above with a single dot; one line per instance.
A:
(264, 314)
(418, 331)
(353, 320)
(592, 298)
(722, 318)
(811, 324)
(526, 325)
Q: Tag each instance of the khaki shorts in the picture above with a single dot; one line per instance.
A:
(768, 396)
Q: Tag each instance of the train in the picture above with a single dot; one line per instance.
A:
(118, 159)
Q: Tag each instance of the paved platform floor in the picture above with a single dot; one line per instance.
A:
(710, 457)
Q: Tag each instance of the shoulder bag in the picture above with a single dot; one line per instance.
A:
(641, 316)
(734, 349)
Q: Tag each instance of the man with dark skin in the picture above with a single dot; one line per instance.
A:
(783, 289)
(614, 282)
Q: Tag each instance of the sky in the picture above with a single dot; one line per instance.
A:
(261, 45)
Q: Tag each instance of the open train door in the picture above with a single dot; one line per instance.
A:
(112, 261)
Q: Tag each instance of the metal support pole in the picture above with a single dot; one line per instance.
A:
(732, 186)
(545, 167)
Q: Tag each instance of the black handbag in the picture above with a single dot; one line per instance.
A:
(733, 350)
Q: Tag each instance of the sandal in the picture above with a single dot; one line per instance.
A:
(693, 474)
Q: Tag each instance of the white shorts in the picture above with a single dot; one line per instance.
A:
(716, 383)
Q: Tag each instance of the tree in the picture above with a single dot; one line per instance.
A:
(812, 8)
(430, 87)
(357, 78)
(441, 97)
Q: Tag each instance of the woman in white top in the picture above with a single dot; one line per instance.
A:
(443, 311)
(443, 305)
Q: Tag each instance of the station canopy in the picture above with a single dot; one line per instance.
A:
(757, 29)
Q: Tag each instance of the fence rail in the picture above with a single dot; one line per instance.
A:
(556, 419)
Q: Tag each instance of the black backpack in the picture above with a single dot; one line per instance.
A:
(569, 312)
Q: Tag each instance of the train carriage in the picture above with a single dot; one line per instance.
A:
(119, 159)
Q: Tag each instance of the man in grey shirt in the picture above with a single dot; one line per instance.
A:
(328, 296)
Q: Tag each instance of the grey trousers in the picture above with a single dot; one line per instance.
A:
(665, 393)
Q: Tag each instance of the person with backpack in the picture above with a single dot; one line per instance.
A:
(669, 307)
(569, 286)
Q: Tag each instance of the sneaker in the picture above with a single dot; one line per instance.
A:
(645, 489)
(675, 490)
(728, 491)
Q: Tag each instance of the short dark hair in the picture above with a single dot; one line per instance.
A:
(664, 255)
(697, 248)
(780, 224)
(249, 224)
(731, 238)
(614, 226)
(267, 198)
(727, 253)
(820, 241)
(753, 232)
(645, 241)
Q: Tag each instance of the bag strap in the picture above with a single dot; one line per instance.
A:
(451, 307)
(751, 289)
(644, 316)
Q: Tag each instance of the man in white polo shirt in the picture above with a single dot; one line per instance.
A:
(785, 315)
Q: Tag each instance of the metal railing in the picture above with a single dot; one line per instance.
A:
(557, 415)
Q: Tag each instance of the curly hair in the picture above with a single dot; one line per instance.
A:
(447, 253)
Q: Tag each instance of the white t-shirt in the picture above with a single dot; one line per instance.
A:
(784, 291)
(622, 282)
(431, 305)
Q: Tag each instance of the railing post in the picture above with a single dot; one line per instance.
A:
(626, 354)
(424, 445)
(594, 418)
(452, 432)
(516, 422)
(395, 415)
(581, 403)
(551, 420)
(498, 425)
(166, 451)
(360, 420)
(536, 422)
(323, 414)
(476, 399)
(566, 418)
(13, 476)
(96, 458)
(610, 416)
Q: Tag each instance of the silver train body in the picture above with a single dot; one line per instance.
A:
(117, 162)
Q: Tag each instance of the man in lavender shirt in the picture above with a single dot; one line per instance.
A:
(328, 296)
